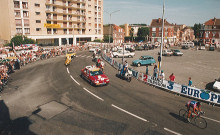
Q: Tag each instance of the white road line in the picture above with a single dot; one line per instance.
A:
(67, 70)
(77, 56)
(130, 113)
(88, 56)
(210, 119)
(93, 94)
(172, 131)
(74, 80)
(84, 56)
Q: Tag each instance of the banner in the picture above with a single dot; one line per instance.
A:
(47, 25)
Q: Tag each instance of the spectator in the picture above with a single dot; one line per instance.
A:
(146, 69)
(155, 71)
(190, 81)
(172, 77)
(162, 75)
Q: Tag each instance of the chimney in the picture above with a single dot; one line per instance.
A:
(159, 20)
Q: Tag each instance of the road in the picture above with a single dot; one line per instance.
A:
(46, 97)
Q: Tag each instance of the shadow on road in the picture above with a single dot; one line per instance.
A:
(177, 117)
(19, 126)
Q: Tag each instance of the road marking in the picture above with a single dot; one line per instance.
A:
(172, 131)
(89, 57)
(84, 56)
(93, 94)
(74, 80)
(67, 70)
(210, 119)
(77, 56)
(130, 113)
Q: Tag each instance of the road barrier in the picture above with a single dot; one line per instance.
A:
(192, 92)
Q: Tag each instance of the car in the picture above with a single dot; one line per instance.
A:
(71, 54)
(201, 47)
(120, 54)
(177, 52)
(144, 60)
(94, 76)
(166, 52)
(139, 48)
(185, 47)
(212, 48)
(216, 85)
(94, 49)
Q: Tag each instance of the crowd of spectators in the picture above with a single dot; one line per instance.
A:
(16, 59)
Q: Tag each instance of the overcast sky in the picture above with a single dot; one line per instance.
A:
(186, 12)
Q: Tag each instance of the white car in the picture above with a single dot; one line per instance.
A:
(120, 54)
(94, 49)
(216, 85)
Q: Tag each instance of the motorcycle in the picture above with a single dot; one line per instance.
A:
(127, 76)
(67, 61)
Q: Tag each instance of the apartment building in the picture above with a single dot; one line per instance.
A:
(210, 32)
(56, 22)
(156, 31)
(116, 32)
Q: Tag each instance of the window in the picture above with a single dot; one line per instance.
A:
(153, 29)
(17, 14)
(37, 13)
(38, 21)
(19, 30)
(38, 29)
(90, 24)
(89, 6)
(47, 7)
(90, 12)
(37, 5)
(27, 30)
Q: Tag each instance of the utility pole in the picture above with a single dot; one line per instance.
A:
(161, 46)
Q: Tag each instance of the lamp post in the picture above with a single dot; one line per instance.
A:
(161, 46)
(110, 17)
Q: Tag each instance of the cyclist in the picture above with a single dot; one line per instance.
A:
(193, 106)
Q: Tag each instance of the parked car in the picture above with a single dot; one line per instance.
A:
(94, 76)
(131, 49)
(212, 48)
(216, 85)
(144, 60)
(94, 49)
(166, 52)
(201, 47)
(185, 47)
(177, 52)
(120, 54)
(139, 48)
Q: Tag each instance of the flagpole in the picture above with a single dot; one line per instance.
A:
(162, 39)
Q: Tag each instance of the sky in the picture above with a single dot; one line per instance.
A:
(186, 12)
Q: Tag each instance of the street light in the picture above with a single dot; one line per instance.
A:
(110, 16)
(161, 46)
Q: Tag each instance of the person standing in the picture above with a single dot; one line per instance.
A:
(146, 69)
(172, 77)
(190, 82)
(155, 71)
(162, 75)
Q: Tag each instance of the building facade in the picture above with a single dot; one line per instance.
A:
(210, 32)
(56, 22)
(183, 33)
(116, 32)
(156, 31)
(133, 28)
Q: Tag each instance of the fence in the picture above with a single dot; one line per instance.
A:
(192, 92)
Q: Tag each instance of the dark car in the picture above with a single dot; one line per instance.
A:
(139, 48)
(185, 47)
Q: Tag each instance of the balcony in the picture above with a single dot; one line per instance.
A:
(18, 24)
(27, 24)
(16, 6)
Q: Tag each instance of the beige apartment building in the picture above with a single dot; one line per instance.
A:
(56, 22)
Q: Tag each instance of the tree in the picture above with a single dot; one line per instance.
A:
(106, 39)
(196, 29)
(132, 33)
(143, 32)
(18, 40)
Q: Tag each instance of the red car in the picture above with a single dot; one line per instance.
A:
(94, 75)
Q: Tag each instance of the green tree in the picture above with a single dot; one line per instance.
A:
(143, 32)
(196, 29)
(132, 33)
(106, 39)
(18, 40)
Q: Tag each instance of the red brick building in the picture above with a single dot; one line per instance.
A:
(210, 32)
(156, 31)
(117, 33)
(183, 33)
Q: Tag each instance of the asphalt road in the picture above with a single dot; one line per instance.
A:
(46, 98)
